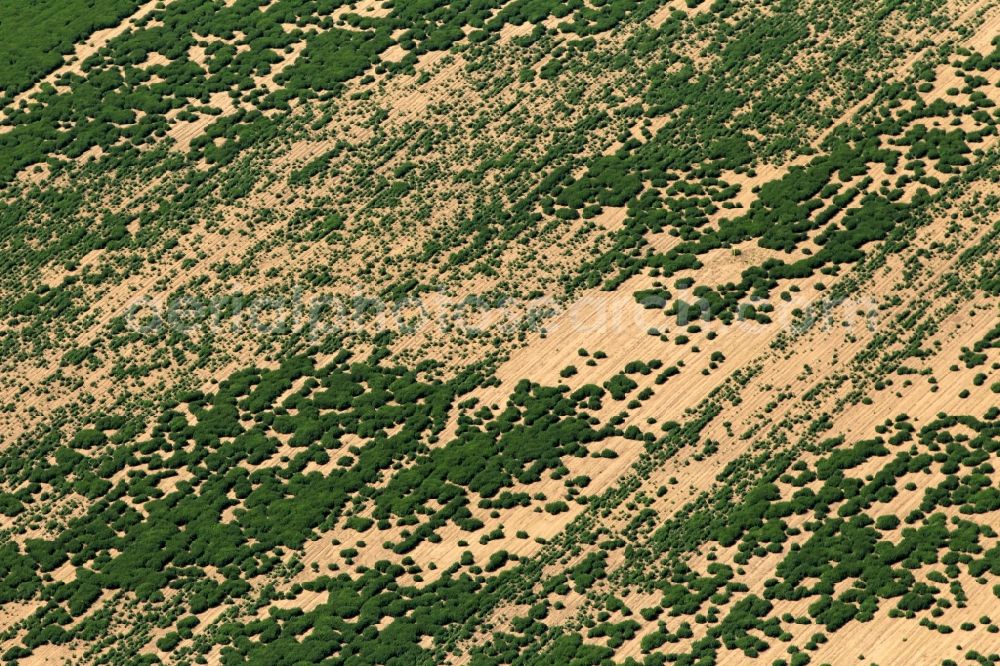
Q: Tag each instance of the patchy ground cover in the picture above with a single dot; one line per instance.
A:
(522, 332)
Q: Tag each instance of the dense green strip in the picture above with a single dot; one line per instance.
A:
(38, 33)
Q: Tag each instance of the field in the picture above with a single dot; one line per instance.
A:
(589, 332)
